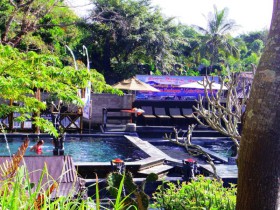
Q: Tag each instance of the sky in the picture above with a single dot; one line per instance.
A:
(250, 15)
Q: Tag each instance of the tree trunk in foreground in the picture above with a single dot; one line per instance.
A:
(259, 156)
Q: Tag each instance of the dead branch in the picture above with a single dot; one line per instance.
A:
(192, 149)
(223, 115)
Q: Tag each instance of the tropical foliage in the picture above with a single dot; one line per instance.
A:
(123, 38)
(202, 193)
(38, 25)
(216, 43)
(132, 194)
(130, 37)
(22, 75)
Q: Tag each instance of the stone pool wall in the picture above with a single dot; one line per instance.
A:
(100, 101)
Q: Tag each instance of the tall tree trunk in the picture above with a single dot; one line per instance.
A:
(107, 60)
(8, 26)
(259, 156)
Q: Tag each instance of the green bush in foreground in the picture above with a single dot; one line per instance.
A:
(198, 194)
(19, 193)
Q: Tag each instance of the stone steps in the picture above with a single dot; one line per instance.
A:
(152, 163)
(160, 170)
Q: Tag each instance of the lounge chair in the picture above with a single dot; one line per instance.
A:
(188, 114)
(161, 114)
(175, 114)
(148, 115)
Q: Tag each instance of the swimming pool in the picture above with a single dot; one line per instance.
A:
(221, 146)
(85, 149)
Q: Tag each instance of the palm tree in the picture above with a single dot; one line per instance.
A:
(216, 40)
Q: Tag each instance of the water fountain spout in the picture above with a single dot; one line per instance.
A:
(75, 63)
(5, 137)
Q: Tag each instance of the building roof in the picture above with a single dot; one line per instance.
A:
(59, 168)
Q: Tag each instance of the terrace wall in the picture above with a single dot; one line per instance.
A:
(100, 101)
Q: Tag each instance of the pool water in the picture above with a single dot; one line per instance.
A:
(173, 150)
(85, 149)
(222, 146)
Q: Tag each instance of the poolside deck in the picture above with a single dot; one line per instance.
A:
(224, 171)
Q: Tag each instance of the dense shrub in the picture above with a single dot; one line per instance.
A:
(198, 194)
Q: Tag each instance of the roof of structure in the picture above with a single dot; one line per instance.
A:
(59, 168)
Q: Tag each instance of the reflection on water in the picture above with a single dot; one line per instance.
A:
(85, 149)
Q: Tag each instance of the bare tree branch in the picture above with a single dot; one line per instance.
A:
(222, 115)
(28, 23)
(192, 149)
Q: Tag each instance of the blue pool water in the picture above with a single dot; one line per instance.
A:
(86, 149)
(222, 146)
